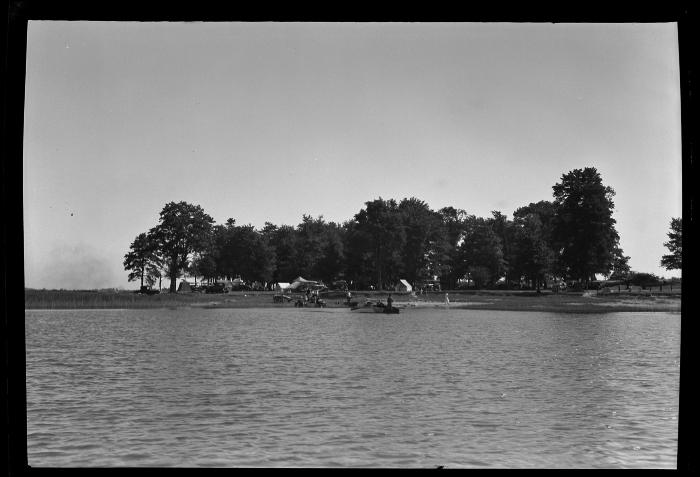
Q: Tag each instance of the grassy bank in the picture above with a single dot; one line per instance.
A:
(581, 302)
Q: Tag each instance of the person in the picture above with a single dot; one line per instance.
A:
(389, 301)
(447, 299)
(349, 295)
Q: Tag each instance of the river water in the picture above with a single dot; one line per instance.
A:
(329, 388)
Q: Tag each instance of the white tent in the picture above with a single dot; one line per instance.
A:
(299, 281)
(403, 285)
(303, 283)
(281, 286)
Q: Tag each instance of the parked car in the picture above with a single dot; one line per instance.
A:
(240, 285)
(215, 288)
(429, 285)
(339, 285)
(148, 291)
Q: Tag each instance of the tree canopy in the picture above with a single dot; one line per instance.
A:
(183, 229)
(584, 231)
(673, 260)
(572, 237)
(142, 260)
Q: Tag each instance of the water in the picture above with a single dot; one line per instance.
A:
(308, 388)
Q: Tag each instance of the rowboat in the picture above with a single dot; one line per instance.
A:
(374, 308)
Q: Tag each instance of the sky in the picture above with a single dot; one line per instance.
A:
(269, 121)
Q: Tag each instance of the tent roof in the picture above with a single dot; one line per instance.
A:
(308, 283)
(405, 282)
(300, 279)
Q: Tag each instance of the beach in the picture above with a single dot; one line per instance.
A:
(505, 300)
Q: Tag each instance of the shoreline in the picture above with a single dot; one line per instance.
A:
(507, 300)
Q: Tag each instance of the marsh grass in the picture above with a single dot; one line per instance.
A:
(72, 299)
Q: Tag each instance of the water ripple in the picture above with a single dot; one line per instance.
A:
(250, 388)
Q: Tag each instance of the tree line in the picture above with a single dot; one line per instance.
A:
(571, 237)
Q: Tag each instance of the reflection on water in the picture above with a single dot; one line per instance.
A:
(295, 387)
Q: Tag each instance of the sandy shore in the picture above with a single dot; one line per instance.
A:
(586, 302)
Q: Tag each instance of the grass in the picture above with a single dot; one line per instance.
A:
(516, 300)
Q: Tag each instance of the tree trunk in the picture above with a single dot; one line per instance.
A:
(173, 277)
(378, 257)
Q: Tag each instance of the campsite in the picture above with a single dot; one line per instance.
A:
(524, 300)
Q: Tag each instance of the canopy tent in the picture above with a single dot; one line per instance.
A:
(305, 284)
(302, 283)
(403, 285)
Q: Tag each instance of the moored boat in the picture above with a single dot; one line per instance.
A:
(370, 307)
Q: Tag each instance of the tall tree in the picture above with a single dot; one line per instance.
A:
(481, 252)
(243, 251)
(312, 240)
(673, 261)
(504, 230)
(424, 249)
(204, 265)
(142, 260)
(454, 226)
(380, 225)
(331, 264)
(182, 230)
(283, 241)
(584, 228)
(253, 257)
(533, 255)
(358, 259)
(620, 268)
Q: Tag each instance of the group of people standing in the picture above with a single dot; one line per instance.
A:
(311, 295)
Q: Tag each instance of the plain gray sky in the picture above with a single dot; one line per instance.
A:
(269, 121)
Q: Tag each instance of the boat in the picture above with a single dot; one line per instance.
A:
(370, 307)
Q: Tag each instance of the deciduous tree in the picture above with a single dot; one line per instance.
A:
(142, 260)
(182, 230)
(454, 226)
(424, 248)
(481, 252)
(584, 228)
(383, 236)
(673, 261)
(620, 269)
